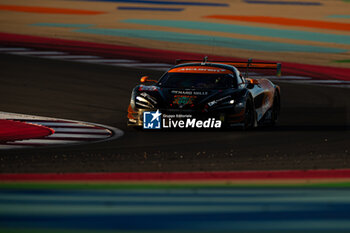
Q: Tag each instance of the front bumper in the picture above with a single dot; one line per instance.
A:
(229, 117)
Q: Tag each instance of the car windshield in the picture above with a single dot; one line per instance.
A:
(200, 81)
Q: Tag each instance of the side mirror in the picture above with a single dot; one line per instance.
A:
(252, 81)
(146, 79)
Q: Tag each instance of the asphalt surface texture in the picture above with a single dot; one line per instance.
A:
(313, 131)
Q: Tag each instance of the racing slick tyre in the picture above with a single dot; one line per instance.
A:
(249, 116)
(276, 108)
(273, 113)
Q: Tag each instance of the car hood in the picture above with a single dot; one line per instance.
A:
(177, 98)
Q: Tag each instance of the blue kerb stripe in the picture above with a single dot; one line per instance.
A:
(149, 8)
(247, 30)
(321, 220)
(175, 202)
(167, 2)
(328, 214)
(284, 2)
(225, 42)
(63, 25)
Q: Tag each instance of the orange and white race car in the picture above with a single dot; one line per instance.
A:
(209, 91)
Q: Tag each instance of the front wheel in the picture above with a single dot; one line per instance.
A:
(249, 115)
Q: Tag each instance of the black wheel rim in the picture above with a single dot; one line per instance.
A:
(248, 117)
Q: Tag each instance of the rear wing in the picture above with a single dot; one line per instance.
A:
(246, 67)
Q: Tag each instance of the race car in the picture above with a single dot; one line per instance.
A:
(209, 90)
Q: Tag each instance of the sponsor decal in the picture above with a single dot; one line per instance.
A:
(186, 92)
(157, 120)
(148, 88)
(211, 103)
(203, 69)
(183, 100)
(200, 69)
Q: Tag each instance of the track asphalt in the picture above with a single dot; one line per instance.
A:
(79, 192)
(312, 134)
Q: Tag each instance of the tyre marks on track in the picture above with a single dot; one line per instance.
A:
(137, 64)
(85, 58)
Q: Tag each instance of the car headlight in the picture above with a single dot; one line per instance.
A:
(140, 101)
(221, 101)
(240, 104)
(144, 100)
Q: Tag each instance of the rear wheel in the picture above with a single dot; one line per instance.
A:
(274, 112)
(276, 108)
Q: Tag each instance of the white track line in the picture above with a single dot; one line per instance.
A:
(13, 49)
(283, 77)
(339, 85)
(58, 124)
(108, 60)
(145, 65)
(37, 53)
(76, 136)
(72, 57)
(160, 69)
(41, 141)
(322, 81)
(79, 130)
(5, 147)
